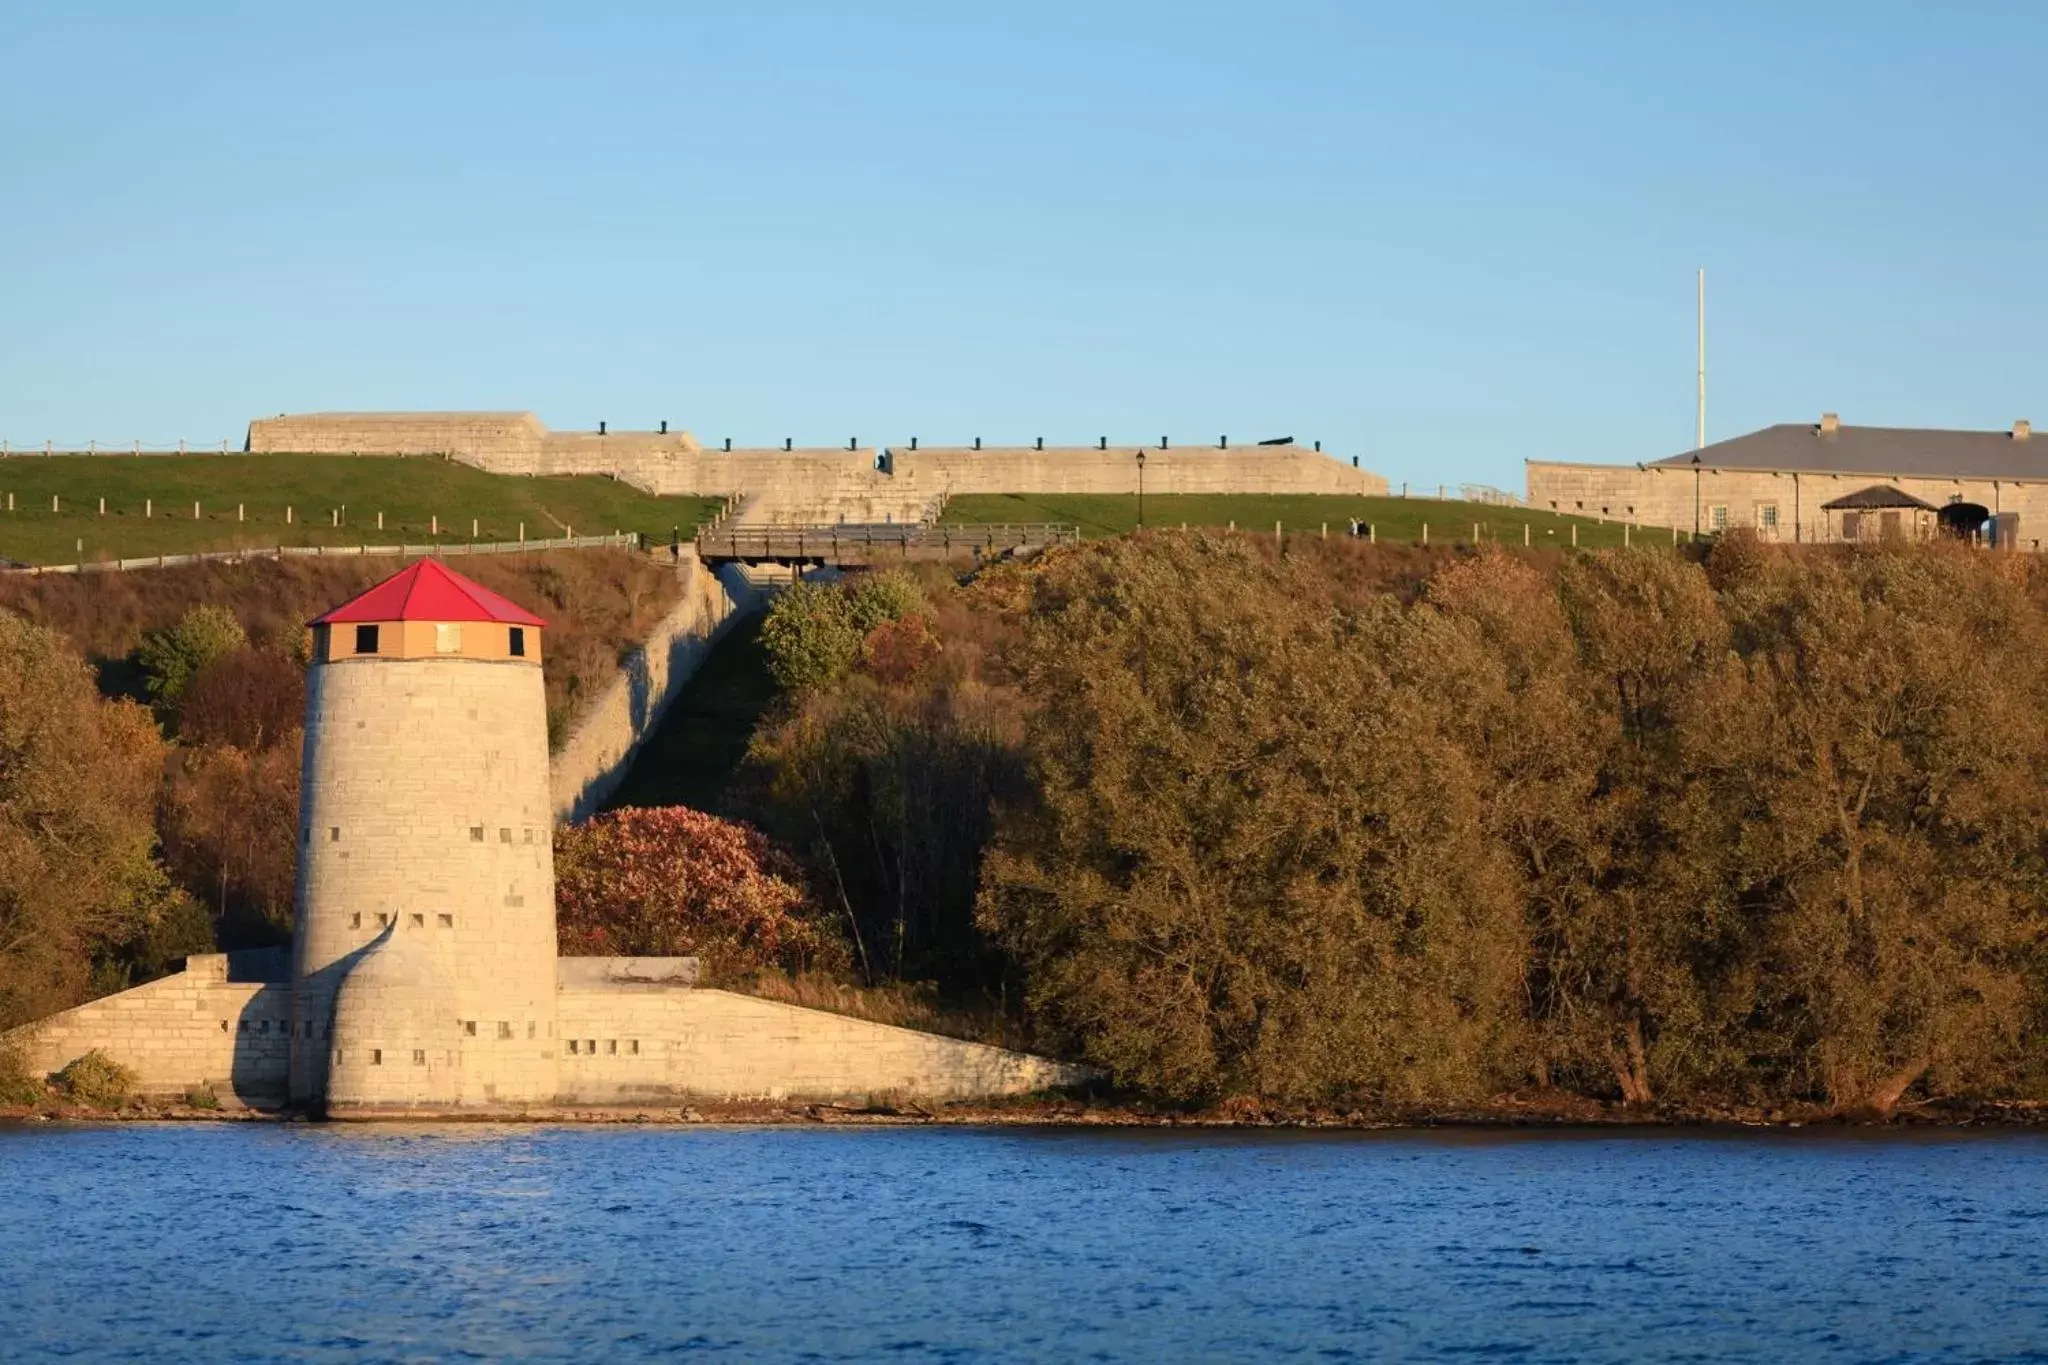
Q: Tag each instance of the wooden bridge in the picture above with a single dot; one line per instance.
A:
(858, 546)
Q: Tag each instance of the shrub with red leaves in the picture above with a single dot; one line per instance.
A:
(671, 881)
(897, 651)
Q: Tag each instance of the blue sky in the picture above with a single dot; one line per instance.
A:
(1440, 237)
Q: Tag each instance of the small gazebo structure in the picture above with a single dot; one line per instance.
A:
(1879, 512)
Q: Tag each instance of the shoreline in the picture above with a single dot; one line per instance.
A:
(1549, 1113)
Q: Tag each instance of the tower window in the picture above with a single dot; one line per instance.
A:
(366, 639)
(419, 921)
(355, 921)
(518, 642)
(633, 1046)
(529, 1029)
(504, 1030)
(376, 1056)
(334, 834)
(611, 1047)
(504, 836)
(447, 637)
(446, 921)
(419, 1056)
(469, 1027)
(476, 834)
(574, 1047)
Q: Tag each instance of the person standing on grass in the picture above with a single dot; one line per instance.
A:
(675, 545)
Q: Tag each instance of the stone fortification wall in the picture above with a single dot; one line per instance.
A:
(224, 1021)
(508, 441)
(425, 806)
(595, 757)
(649, 1043)
(1181, 469)
(810, 486)
(1662, 495)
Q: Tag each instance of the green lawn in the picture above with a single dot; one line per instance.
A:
(1391, 519)
(409, 493)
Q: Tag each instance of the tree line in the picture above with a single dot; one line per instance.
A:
(1325, 826)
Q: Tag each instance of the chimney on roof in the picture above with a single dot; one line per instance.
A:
(1829, 424)
(2022, 429)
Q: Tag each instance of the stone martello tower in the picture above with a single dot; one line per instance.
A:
(424, 963)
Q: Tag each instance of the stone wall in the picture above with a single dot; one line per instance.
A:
(637, 1043)
(1661, 495)
(224, 1021)
(595, 757)
(813, 486)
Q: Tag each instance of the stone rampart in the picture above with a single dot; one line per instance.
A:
(810, 486)
(224, 1021)
(651, 1043)
(1783, 505)
(595, 757)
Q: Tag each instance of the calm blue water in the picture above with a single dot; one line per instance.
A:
(232, 1242)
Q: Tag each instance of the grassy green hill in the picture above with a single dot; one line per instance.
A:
(409, 493)
(1392, 519)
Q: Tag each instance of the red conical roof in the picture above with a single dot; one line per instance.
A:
(429, 591)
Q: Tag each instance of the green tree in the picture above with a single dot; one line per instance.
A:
(172, 658)
(809, 636)
(882, 596)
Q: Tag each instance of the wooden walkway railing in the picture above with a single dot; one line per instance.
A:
(856, 545)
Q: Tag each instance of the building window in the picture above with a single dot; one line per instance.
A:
(419, 1056)
(1767, 517)
(590, 1046)
(469, 1027)
(366, 639)
(334, 834)
(383, 920)
(529, 1031)
(476, 834)
(504, 835)
(504, 1030)
(1717, 517)
(529, 836)
(518, 642)
(355, 921)
(419, 921)
(446, 921)
(611, 1046)
(447, 637)
(633, 1046)
(376, 1056)
(572, 1047)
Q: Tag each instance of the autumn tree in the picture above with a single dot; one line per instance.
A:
(1254, 860)
(78, 779)
(672, 881)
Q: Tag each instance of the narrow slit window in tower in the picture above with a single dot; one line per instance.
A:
(419, 1056)
(376, 1056)
(611, 1047)
(518, 642)
(334, 834)
(355, 921)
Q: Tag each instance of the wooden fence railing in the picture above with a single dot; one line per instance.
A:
(622, 540)
(851, 544)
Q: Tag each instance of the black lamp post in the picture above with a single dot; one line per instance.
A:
(1695, 497)
(1141, 490)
